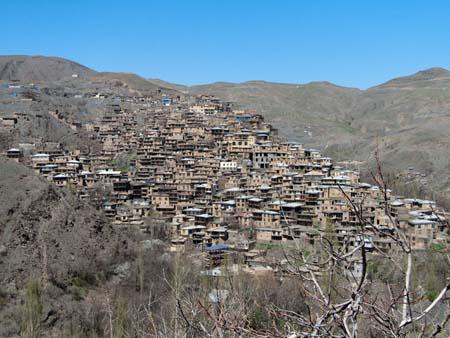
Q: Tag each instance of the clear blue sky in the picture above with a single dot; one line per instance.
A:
(352, 43)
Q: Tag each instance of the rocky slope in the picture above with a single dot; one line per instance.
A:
(48, 235)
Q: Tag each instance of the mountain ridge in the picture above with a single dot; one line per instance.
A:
(426, 74)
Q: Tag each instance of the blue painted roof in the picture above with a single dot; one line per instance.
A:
(217, 247)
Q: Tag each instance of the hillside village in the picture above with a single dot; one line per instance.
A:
(224, 169)
(220, 181)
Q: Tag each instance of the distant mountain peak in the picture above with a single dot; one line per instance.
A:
(431, 73)
(39, 68)
(423, 75)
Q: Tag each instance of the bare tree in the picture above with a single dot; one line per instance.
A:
(339, 298)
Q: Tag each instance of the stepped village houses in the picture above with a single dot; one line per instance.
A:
(221, 181)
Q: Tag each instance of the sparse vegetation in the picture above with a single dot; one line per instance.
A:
(32, 311)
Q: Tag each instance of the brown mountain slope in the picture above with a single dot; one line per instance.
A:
(419, 78)
(39, 68)
(43, 69)
(295, 109)
(165, 84)
(133, 83)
